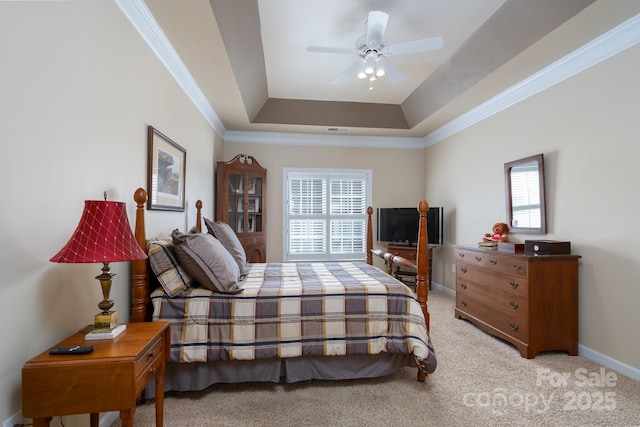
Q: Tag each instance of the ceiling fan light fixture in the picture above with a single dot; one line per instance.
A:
(372, 49)
(369, 69)
(361, 74)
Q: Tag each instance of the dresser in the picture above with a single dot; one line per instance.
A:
(530, 301)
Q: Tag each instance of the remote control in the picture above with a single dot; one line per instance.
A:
(76, 349)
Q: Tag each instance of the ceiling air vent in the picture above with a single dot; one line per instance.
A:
(338, 129)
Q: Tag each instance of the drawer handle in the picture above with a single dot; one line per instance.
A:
(478, 258)
(461, 255)
(463, 303)
(516, 267)
(463, 269)
(513, 284)
(150, 355)
(513, 305)
(513, 327)
(463, 285)
(493, 262)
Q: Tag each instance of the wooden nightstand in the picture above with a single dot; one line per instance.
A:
(108, 379)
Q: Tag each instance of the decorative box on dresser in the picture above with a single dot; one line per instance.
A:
(530, 301)
(241, 188)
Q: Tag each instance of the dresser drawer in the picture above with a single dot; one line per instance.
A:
(506, 264)
(148, 364)
(475, 258)
(515, 326)
(409, 253)
(509, 303)
(515, 285)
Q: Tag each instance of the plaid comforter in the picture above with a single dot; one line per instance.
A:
(297, 309)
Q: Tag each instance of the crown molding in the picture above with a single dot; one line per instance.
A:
(603, 47)
(599, 49)
(307, 139)
(142, 20)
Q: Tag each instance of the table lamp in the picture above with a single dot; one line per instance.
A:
(103, 235)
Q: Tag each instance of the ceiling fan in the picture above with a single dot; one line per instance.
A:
(372, 48)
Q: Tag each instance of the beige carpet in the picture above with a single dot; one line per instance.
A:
(480, 381)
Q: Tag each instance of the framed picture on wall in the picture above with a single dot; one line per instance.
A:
(166, 169)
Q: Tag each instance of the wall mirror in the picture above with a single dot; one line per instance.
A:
(524, 179)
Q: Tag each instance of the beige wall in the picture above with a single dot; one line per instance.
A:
(587, 127)
(79, 86)
(398, 178)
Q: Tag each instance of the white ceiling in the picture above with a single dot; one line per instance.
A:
(245, 54)
(289, 26)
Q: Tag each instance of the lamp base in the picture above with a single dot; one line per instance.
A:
(106, 320)
(105, 334)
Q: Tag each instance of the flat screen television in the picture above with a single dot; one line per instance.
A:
(400, 225)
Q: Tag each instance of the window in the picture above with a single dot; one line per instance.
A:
(525, 195)
(325, 214)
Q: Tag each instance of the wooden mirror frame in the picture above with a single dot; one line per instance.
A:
(539, 160)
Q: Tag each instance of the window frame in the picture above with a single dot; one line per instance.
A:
(327, 174)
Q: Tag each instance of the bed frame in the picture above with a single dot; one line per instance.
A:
(141, 280)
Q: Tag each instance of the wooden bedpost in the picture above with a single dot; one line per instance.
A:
(422, 288)
(139, 268)
(199, 215)
(369, 235)
(422, 260)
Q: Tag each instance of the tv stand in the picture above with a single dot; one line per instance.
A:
(410, 252)
(404, 244)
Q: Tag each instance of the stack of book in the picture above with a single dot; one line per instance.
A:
(490, 244)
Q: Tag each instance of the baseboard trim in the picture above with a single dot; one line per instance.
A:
(109, 418)
(443, 288)
(609, 362)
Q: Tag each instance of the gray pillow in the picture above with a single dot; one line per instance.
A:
(225, 234)
(207, 261)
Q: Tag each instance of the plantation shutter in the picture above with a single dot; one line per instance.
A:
(525, 196)
(325, 214)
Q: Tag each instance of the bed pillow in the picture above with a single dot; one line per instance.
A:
(207, 261)
(164, 264)
(225, 234)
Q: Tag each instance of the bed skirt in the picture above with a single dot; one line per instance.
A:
(200, 375)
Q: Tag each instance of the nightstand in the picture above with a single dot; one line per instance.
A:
(108, 379)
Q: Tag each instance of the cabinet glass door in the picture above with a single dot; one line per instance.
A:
(254, 204)
(235, 207)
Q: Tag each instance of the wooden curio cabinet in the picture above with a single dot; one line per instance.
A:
(240, 202)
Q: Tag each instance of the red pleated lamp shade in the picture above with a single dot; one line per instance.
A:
(103, 235)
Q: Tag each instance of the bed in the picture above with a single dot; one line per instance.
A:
(284, 321)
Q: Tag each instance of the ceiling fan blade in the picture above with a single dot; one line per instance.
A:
(376, 24)
(320, 49)
(414, 46)
(391, 71)
(349, 73)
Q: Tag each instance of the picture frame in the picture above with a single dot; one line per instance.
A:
(166, 171)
